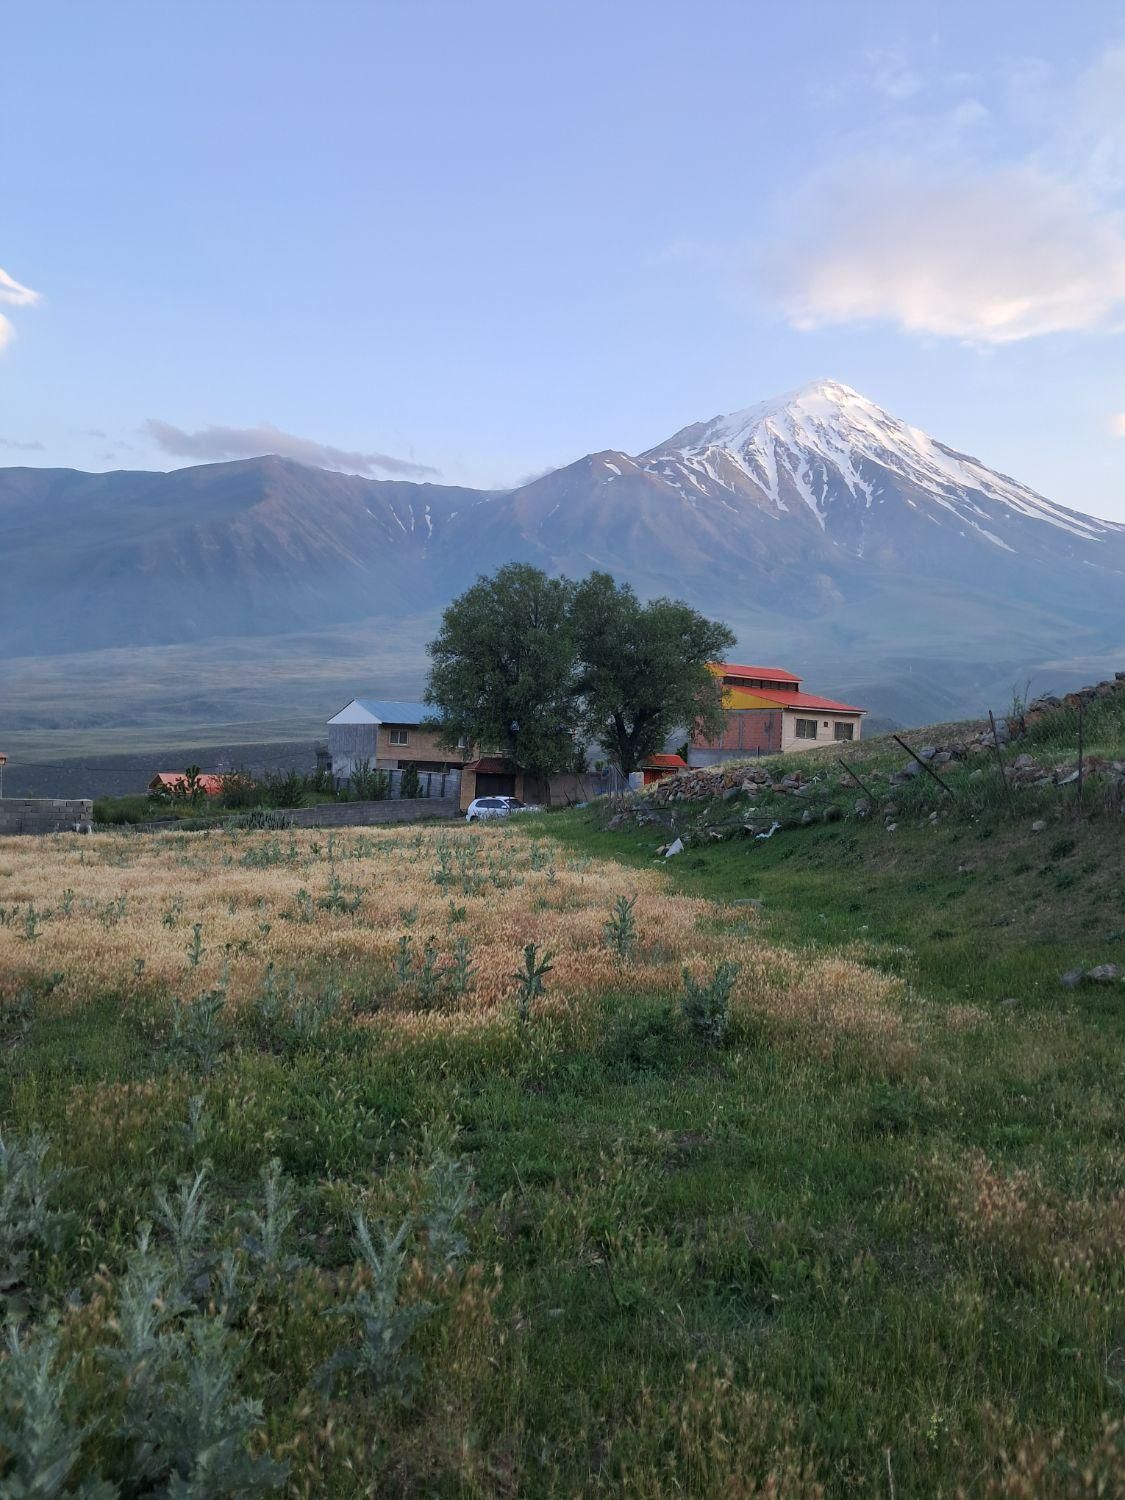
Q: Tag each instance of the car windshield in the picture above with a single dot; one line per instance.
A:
(513, 801)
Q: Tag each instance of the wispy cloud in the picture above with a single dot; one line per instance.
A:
(950, 218)
(215, 444)
(14, 295)
(1117, 424)
(31, 447)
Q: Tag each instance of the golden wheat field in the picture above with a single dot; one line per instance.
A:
(180, 913)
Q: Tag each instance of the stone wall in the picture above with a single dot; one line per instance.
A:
(45, 815)
(363, 814)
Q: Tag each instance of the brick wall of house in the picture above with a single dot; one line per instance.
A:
(421, 745)
(749, 731)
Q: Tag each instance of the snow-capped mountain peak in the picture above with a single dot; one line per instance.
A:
(832, 452)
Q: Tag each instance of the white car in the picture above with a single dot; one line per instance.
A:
(497, 807)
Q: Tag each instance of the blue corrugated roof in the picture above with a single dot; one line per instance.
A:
(394, 711)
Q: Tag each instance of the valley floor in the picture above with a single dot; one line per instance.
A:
(784, 1201)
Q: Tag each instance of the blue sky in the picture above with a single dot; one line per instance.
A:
(483, 239)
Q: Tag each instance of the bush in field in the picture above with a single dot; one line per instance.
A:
(238, 789)
(283, 789)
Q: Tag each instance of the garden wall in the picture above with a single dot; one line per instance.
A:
(362, 814)
(45, 815)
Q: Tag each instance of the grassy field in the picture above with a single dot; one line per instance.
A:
(304, 1190)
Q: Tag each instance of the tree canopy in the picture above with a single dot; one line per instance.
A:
(642, 669)
(529, 665)
(503, 673)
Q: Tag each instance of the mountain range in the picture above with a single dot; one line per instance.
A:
(835, 539)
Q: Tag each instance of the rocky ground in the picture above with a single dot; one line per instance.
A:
(885, 779)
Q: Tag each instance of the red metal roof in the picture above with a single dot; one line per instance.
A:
(774, 674)
(664, 762)
(493, 765)
(805, 700)
(210, 784)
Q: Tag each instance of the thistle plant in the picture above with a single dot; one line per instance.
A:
(384, 1327)
(267, 1231)
(197, 1031)
(529, 979)
(32, 923)
(404, 961)
(184, 1220)
(195, 947)
(706, 1007)
(449, 1184)
(621, 929)
(429, 984)
(28, 1220)
(194, 1128)
(461, 973)
(41, 1444)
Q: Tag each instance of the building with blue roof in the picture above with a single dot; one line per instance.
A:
(388, 734)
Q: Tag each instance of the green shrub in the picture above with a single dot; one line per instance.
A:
(283, 789)
(239, 789)
(409, 785)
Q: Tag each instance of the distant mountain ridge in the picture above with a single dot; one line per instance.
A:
(832, 536)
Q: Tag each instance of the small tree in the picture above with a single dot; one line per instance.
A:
(643, 669)
(409, 785)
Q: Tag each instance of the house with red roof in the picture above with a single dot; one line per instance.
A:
(656, 767)
(768, 714)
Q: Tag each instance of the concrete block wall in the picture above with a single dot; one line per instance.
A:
(45, 815)
(365, 814)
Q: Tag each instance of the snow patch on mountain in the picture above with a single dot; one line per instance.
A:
(831, 449)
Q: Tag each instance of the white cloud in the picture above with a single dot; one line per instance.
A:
(214, 444)
(988, 257)
(14, 295)
(1117, 424)
(984, 224)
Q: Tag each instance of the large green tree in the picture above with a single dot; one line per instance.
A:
(503, 669)
(642, 669)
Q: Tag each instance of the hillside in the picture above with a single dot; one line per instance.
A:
(967, 891)
(832, 536)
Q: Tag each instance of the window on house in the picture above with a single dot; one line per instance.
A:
(806, 729)
(845, 731)
(400, 737)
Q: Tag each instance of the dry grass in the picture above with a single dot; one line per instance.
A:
(118, 914)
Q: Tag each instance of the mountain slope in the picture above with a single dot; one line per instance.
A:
(831, 535)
